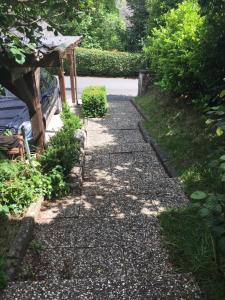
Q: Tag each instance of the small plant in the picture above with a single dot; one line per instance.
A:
(37, 246)
(212, 210)
(62, 151)
(94, 101)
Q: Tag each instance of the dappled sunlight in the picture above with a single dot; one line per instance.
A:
(110, 230)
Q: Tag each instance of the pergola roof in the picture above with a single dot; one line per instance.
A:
(24, 80)
(50, 50)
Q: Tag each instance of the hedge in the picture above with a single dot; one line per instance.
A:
(94, 101)
(94, 62)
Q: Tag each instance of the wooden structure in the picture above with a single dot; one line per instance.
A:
(24, 80)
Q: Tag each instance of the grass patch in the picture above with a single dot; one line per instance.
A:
(181, 132)
(189, 244)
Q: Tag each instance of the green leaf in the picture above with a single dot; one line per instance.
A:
(217, 209)
(223, 178)
(222, 94)
(198, 195)
(219, 131)
(222, 166)
(209, 121)
(222, 157)
(204, 212)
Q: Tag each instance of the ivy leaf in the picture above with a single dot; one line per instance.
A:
(204, 212)
(223, 178)
(222, 157)
(222, 94)
(4, 209)
(219, 131)
(222, 166)
(198, 195)
(209, 121)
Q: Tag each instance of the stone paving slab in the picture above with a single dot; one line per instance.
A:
(118, 149)
(55, 232)
(59, 208)
(167, 287)
(111, 123)
(128, 204)
(93, 232)
(75, 263)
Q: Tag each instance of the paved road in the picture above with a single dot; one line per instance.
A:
(114, 86)
(106, 243)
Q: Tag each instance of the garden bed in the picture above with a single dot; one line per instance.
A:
(23, 182)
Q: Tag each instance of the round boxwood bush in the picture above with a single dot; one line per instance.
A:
(94, 101)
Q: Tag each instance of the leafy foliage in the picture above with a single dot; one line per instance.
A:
(62, 151)
(93, 62)
(156, 11)
(137, 26)
(213, 45)
(22, 182)
(173, 49)
(212, 210)
(94, 101)
(98, 22)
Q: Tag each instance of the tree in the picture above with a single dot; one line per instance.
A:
(213, 45)
(63, 15)
(137, 29)
(156, 10)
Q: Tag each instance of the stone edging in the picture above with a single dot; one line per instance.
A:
(20, 243)
(75, 178)
(163, 158)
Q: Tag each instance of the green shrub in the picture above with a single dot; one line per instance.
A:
(62, 149)
(93, 62)
(94, 101)
(22, 182)
(69, 119)
(173, 49)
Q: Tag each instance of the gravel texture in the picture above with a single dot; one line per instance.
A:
(107, 243)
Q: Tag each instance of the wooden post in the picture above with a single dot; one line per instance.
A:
(37, 118)
(62, 82)
(72, 77)
(27, 88)
(75, 73)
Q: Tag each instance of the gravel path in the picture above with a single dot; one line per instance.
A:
(106, 243)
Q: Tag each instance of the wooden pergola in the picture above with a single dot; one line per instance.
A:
(24, 80)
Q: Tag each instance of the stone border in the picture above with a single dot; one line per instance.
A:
(75, 178)
(163, 158)
(19, 245)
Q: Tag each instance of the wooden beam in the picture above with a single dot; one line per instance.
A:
(62, 82)
(75, 74)
(27, 88)
(72, 77)
(37, 119)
